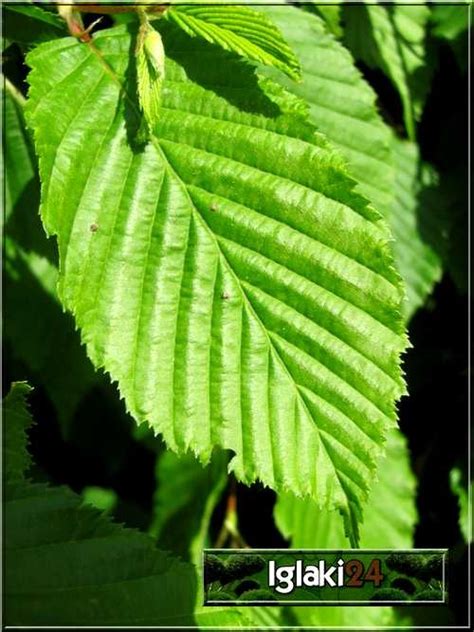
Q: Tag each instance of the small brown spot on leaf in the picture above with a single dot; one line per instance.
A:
(93, 228)
(214, 207)
(225, 296)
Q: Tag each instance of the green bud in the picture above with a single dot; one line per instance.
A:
(155, 52)
(150, 57)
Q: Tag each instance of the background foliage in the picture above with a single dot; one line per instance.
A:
(357, 114)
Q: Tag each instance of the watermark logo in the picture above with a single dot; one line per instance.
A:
(351, 577)
(284, 579)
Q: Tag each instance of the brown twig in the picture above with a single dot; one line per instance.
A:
(230, 530)
(119, 8)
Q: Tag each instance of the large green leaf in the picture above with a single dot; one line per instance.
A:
(238, 29)
(389, 522)
(67, 564)
(392, 39)
(226, 274)
(343, 106)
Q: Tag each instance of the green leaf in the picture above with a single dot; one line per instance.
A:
(389, 522)
(17, 420)
(150, 58)
(389, 518)
(412, 218)
(392, 39)
(186, 496)
(237, 288)
(359, 617)
(389, 173)
(67, 564)
(100, 497)
(240, 30)
(341, 103)
(228, 617)
(463, 492)
(328, 617)
(41, 336)
(451, 23)
(22, 186)
(29, 24)
(450, 234)
(330, 13)
(97, 573)
(256, 618)
(18, 154)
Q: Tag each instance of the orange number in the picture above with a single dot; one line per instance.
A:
(354, 569)
(374, 573)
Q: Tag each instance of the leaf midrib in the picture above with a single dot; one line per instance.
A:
(327, 195)
(296, 386)
(244, 297)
